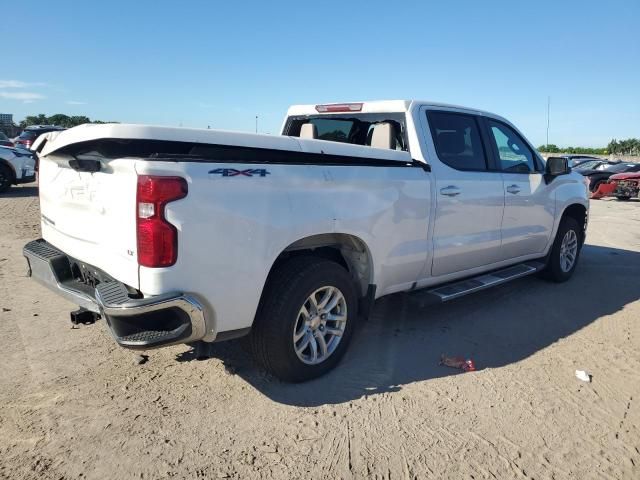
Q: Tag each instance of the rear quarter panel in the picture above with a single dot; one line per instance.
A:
(232, 229)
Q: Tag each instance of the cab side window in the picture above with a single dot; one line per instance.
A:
(514, 154)
(457, 140)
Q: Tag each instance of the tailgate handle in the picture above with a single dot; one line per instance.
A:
(85, 165)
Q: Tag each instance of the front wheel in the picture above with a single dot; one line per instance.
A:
(305, 319)
(565, 251)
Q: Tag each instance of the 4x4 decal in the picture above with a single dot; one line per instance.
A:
(232, 172)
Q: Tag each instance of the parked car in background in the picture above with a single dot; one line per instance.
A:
(627, 185)
(596, 177)
(29, 135)
(5, 141)
(16, 166)
(599, 164)
(575, 160)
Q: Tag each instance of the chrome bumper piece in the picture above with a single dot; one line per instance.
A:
(138, 323)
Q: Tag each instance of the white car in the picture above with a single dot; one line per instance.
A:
(16, 166)
(179, 235)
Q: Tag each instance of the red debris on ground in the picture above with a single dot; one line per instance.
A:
(458, 362)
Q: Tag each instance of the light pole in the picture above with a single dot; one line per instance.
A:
(256, 123)
(548, 110)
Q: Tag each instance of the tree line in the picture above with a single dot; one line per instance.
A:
(630, 146)
(58, 119)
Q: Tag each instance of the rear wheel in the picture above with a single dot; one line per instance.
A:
(305, 319)
(624, 198)
(6, 178)
(565, 251)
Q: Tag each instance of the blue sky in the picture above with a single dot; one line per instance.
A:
(199, 63)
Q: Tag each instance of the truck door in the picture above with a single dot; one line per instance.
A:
(529, 209)
(469, 197)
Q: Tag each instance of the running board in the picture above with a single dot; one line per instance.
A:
(464, 287)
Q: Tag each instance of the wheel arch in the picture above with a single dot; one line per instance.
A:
(346, 249)
(10, 167)
(579, 213)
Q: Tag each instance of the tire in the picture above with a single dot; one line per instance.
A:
(280, 319)
(6, 178)
(556, 270)
(623, 198)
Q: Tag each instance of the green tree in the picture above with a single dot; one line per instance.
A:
(551, 148)
(630, 146)
(79, 120)
(40, 119)
(59, 119)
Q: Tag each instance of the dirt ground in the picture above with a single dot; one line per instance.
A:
(74, 405)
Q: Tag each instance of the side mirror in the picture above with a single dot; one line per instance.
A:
(556, 166)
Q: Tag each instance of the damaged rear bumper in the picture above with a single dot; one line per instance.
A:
(135, 322)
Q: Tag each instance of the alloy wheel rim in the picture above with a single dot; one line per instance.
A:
(568, 251)
(320, 325)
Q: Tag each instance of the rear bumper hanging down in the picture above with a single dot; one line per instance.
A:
(136, 323)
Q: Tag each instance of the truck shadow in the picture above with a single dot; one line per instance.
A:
(402, 343)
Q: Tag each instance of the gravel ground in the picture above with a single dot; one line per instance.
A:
(74, 405)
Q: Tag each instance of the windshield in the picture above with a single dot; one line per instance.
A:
(588, 165)
(28, 135)
(3, 136)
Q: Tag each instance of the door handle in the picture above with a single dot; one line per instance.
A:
(450, 191)
(513, 189)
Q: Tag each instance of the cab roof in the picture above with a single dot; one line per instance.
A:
(379, 106)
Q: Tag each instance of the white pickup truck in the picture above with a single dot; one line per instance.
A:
(177, 235)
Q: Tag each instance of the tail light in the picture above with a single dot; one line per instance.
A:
(157, 238)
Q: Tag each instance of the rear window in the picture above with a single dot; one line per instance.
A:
(3, 136)
(28, 135)
(350, 128)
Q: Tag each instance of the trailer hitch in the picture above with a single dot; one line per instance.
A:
(84, 317)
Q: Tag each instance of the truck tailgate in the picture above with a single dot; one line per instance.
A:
(91, 215)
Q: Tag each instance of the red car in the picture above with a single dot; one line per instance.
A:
(627, 185)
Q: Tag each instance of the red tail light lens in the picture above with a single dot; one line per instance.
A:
(339, 107)
(157, 238)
